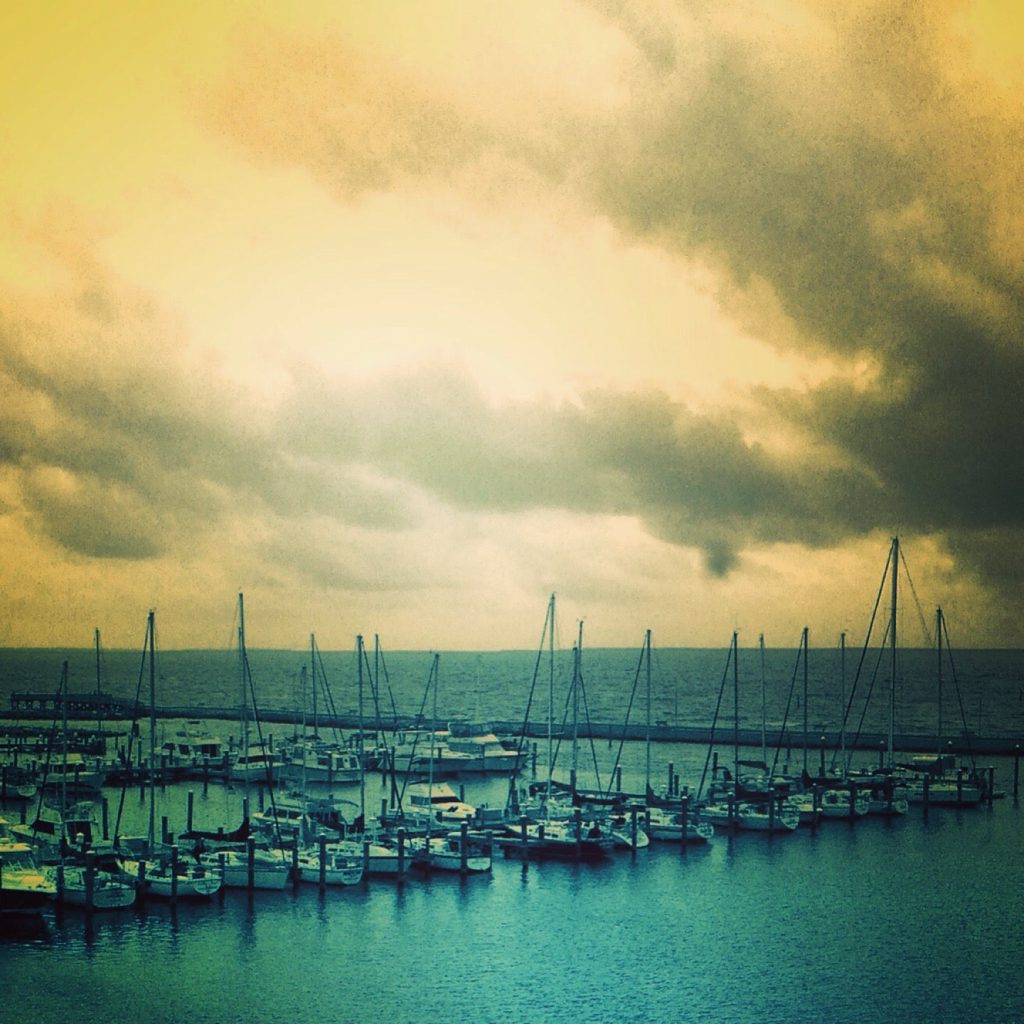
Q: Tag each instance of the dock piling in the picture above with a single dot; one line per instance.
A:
(90, 879)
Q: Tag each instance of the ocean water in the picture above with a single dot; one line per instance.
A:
(981, 691)
(916, 919)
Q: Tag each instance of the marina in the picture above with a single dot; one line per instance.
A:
(677, 928)
(657, 856)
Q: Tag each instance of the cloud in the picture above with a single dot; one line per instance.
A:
(839, 173)
(843, 164)
(128, 448)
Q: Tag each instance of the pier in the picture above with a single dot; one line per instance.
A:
(105, 707)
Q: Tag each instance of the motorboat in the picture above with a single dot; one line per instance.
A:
(436, 802)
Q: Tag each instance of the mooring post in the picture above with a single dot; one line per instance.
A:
(188, 810)
(401, 852)
(525, 839)
(366, 856)
(141, 886)
(852, 810)
(671, 773)
(632, 828)
(322, 841)
(771, 813)
(163, 830)
(821, 757)
(105, 819)
(163, 772)
(578, 821)
(250, 863)
(959, 786)
(259, 798)
(174, 873)
(463, 848)
(684, 814)
(618, 778)
(90, 879)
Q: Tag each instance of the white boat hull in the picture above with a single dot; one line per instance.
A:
(160, 883)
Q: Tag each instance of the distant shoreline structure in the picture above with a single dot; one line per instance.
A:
(86, 706)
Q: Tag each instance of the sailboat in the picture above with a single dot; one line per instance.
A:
(728, 804)
(346, 861)
(451, 851)
(308, 757)
(839, 797)
(544, 830)
(937, 779)
(163, 874)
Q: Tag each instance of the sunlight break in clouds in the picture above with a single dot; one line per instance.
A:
(399, 321)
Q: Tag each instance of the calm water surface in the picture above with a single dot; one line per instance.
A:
(911, 920)
(918, 919)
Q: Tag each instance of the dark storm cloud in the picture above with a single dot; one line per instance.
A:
(692, 480)
(844, 171)
(871, 216)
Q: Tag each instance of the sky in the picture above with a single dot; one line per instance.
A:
(400, 317)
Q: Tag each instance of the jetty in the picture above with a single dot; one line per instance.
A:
(104, 707)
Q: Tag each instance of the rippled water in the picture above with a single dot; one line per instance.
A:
(918, 919)
(983, 691)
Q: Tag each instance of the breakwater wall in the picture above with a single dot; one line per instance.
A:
(964, 743)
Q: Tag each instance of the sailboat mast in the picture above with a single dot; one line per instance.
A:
(764, 704)
(551, 690)
(312, 679)
(64, 738)
(151, 630)
(842, 697)
(803, 644)
(359, 686)
(243, 700)
(576, 668)
(647, 730)
(736, 709)
(99, 724)
(892, 612)
(938, 676)
(433, 737)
